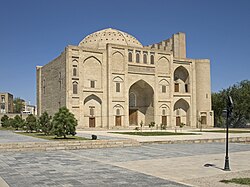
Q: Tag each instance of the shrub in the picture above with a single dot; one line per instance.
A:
(64, 123)
(5, 121)
(45, 123)
(17, 122)
(31, 123)
(163, 126)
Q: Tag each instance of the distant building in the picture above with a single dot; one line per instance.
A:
(29, 109)
(6, 103)
(110, 80)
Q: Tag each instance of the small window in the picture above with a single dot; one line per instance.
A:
(137, 58)
(178, 112)
(186, 88)
(74, 71)
(145, 58)
(176, 87)
(118, 86)
(44, 86)
(164, 112)
(92, 84)
(75, 88)
(91, 111)
(203, 120)
(163, 88)
(130, 57)
(118, 113)
(3, 99)
(152, 59)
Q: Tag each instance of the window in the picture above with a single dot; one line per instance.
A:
(43, 86)
(91, 110)
(152, 59)
(164, 112)
(186, 88)
(118, 86)
(178, 112)
(3, 98)
(92, 84)
(74, 71)
(118, 113)
(75, 89)
(132, 100)
(60, 80)
(176, 87)
(163, 88)
(145, 58)
(203, 120)
(137, 58)
(130, 56)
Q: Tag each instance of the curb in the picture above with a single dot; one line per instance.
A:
(216, 140)
(67, 145)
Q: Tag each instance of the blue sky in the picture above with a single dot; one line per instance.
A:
(34, 32)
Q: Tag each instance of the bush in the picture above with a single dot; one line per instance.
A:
(31, 123)
(17, 122)
(45, 123)
(5, 121)
(151, 124)
(163, 126)
(64, 123)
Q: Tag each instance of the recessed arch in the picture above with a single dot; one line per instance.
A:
(94, 97)
(182, 112)
(163, 65)
(181, 78)
(117, 52)
(90, 58)
(141, 103)
(163, 58)
(117, 79)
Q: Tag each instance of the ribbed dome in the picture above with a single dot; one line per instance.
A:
(99, 39)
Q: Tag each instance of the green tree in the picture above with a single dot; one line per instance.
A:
(240, 94)
(18, 122)
(218, 105)
(45, 123)
(18, 105)
(64, 123)
(5, 121)
(31, 123)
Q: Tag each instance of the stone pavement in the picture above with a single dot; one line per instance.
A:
(148, 165)
(11, 137)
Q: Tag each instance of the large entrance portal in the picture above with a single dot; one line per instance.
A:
(141, 101)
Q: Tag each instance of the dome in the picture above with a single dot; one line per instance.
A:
(99, 39)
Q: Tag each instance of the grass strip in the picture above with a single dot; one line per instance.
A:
(51, 137)
(154, 133)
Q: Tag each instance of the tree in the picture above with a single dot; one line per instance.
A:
(240, 94)
(18, 105)
(31, 123)
(45, 123)
(5, 121)
(64, 123)
(18, 122)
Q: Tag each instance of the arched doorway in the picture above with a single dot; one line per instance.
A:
(93, 110)
(182, 112)
(141, 103)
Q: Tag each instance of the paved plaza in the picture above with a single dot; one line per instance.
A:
(148, 165)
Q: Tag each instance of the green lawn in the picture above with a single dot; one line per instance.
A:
(6, 128)
(243, 181)
(230, 131)
(51, 137)
(164, 133)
